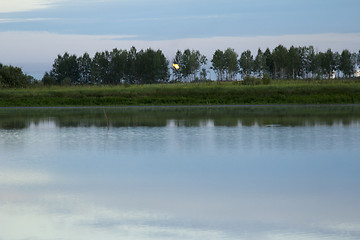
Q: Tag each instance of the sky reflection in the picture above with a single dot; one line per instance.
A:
(180, 181)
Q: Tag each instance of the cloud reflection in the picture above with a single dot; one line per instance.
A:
(9, 6)
(23, 177)
(84, 220)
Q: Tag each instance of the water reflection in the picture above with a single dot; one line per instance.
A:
(182, 116)
(180, 173)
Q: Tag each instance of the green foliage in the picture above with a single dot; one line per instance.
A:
(246, 63)
(280, 57)
(266, 79)
(190, 63)
(269, 63)
(152, 67)
(218, 64)
(326, 63)
(48, 80)
(110, 68)
(231, 64)
(225, 64)
(13, 77)
(84, 63)
(251, 80)
(294, 62)
(278, 92)
(346, 64)
(65, 67)
(259, 63)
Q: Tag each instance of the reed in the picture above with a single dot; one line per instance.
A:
(107, 120)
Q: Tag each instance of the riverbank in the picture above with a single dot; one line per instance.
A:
(209, 93)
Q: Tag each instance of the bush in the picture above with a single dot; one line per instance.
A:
(48, 80)
(13, 77)
(249, 80)
(266, 79)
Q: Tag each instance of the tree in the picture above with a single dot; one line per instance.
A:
(100, 68)
(246, 63)
(327, 62)
(66, 66)
(346, 64)
(13, 77)
(269, 63)
(153, 67)
(131, 66)
(177, 61)
(191, 62)
(203, 74)
(117, 66)
(84, 63)
(307, 56)
(294, 61)
(259, 63)
(280, 56)
(231, 64)
(337, 58)
(218, 64)
(48, 80)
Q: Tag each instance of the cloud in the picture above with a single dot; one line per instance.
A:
(8, 6)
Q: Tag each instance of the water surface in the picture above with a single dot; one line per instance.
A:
(258, 173)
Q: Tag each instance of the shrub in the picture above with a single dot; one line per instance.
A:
(249, 80)
(266, 79)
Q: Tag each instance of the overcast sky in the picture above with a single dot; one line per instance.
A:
(33, 32)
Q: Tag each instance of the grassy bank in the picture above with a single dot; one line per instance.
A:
(279, 92)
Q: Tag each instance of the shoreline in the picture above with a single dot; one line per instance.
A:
(184, 106)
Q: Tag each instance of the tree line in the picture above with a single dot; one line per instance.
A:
(292, 63)
(151, 66)
(109, 68)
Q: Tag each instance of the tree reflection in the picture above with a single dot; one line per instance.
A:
(261, 116)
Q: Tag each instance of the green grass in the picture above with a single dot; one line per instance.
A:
(213, 93)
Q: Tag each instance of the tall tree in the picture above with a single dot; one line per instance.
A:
(269, 63)
(153, 67)
(178, 62)
(66, 67)
(84, 63)
(191, 62)
(327, 62)
(246, 63)
(117, 65)
(280, 56)
(346, 64)
(259, 63)
(231, 64)
(294, 61)
(218, 64)
(307, 56)
(131, 66)
(337, 59)
(100, 68)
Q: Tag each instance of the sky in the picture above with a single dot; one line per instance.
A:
(34, 32)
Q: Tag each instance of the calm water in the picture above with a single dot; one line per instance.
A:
(260, 173)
